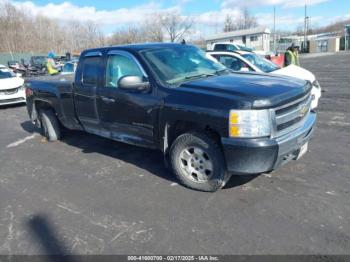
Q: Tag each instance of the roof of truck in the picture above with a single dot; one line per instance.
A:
(148, 46)
(136, 47)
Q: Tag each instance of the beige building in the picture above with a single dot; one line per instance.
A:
(325, 44)
(257, 38)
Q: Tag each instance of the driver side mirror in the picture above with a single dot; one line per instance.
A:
(133, 83)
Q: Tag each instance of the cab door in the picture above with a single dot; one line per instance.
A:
(85, 91)
(129, 115)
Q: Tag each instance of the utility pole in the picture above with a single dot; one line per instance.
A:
(274, 29)
(305, 29)
(346, 40)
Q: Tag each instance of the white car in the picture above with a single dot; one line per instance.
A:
(11, 87)
(229, 46)
(248, 61)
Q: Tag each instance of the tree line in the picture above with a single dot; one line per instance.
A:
(337, 26)
(23, 32)
(158, 27)
(171, 26)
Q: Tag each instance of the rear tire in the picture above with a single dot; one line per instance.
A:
(198, 162)
(50, 126)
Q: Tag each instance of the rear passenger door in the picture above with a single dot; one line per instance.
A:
(85, 91)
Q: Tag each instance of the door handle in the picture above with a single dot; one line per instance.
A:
(107, 99)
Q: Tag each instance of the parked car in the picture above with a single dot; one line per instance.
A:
(13, 64)
(209, 123)
(229, 46)
(69, 67)
(38, 62)
(11, 87)
(248, 61)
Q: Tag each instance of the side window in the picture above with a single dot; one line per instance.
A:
(253, 38)
(229, 61)
(119, 66)
(233, 63)
(90, 70)
(231, 48)
(219, 47)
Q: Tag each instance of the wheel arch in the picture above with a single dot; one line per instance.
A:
(175, 129)
(37, 106)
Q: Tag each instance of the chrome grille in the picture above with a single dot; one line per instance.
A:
(9, 91)
(290, 116)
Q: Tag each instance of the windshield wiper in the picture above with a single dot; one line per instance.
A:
(199, 76)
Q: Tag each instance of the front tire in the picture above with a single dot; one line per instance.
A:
(49, 125)
(198, 162)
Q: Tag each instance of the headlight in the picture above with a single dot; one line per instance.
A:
(316, 84)
(249, 123)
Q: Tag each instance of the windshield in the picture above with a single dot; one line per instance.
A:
(225, 47)
(261, 63)
(244, 48)
(5, 73)
(181, 63)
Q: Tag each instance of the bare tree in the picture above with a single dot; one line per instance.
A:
(228, 24)
(244, 21)
(249, 21)
(131, 34)
(152, 29)
(175, 25)
(149, 30)
(337, 26)
(21, 32)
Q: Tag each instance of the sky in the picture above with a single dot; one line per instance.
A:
(209, 15)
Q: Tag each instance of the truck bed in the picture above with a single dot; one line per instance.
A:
(58, 92)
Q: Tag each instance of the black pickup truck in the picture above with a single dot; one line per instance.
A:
(209, 122)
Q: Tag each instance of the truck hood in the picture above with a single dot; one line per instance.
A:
(12, 82)
(261, 90)
(296, 71)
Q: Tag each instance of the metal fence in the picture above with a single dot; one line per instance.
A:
(280, 47)
(5, 57)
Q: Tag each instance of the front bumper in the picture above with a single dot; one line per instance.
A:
(16, 98)
(254, 156)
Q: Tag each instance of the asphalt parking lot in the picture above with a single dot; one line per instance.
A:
(89, 195)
